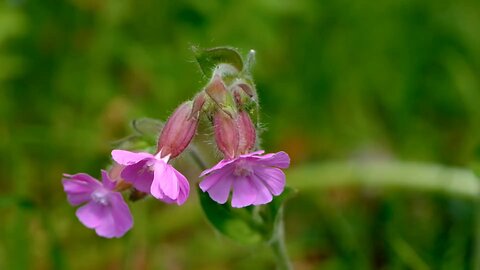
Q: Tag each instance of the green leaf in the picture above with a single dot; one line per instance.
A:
(237, 224)
(208, 59)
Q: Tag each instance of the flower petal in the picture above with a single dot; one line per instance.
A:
(244, 193)
(272, 178)
(280, 160)
(214, 177)
(118, 220)
(156, 189)
(164, 175)
(256, 153)
(139, 175)
(79, 187)
(92, 214)
(124, 157)
(107, 182)
(263, 194)
(221, 189)
(184, 187)
(220, 165)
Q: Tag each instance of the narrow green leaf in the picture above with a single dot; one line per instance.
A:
(236, 224)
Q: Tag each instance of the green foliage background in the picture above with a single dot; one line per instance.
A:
(338, 80)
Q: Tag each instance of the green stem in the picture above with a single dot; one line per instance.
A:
(278, 245)
(196, 158)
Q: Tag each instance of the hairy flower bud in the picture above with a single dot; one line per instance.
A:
(218, 92)
(246, 132)
(226, 133)
(178, 131)
(198, 103)
(240, 96)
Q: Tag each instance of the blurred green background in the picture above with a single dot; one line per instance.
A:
(338, 81)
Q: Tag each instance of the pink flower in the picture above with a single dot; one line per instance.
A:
(104, 209)
(152, 174)
(253, 177)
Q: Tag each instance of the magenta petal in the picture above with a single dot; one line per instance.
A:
(244, 193)
(280, 160)
(213, 178)
(221, 189)
(273, 178)
(218, 166)
(156, 189)
(118, 219)
(256, 153)
(79, 187)
(184, 188)
(92, 214)
(124, 157)
(263, 194)
(139, 175)
(106, 181)
(165, 175)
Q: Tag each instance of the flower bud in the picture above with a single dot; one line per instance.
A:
(178, 131)
(226, 133)
(217, 91)
(198, 103)
(246, 132)
(240, 96)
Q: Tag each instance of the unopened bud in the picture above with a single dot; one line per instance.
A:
(198, 103)
(240, 96)
(226, 133)
(246, 132)
(218, 92)
(248, 89)
(178, 131)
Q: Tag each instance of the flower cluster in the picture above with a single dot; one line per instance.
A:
(249, 175)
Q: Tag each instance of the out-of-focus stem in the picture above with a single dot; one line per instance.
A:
(387, 174)
(196, 158)
(278, 245)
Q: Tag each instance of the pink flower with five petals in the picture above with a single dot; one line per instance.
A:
(253, 177)
(152, 174)
(104, 208)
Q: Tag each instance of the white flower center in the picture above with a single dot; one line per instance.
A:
(100, 196)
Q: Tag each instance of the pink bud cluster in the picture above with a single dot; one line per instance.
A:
(249, 175)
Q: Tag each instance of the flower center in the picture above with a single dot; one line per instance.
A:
(243, 168)
(100, 196)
